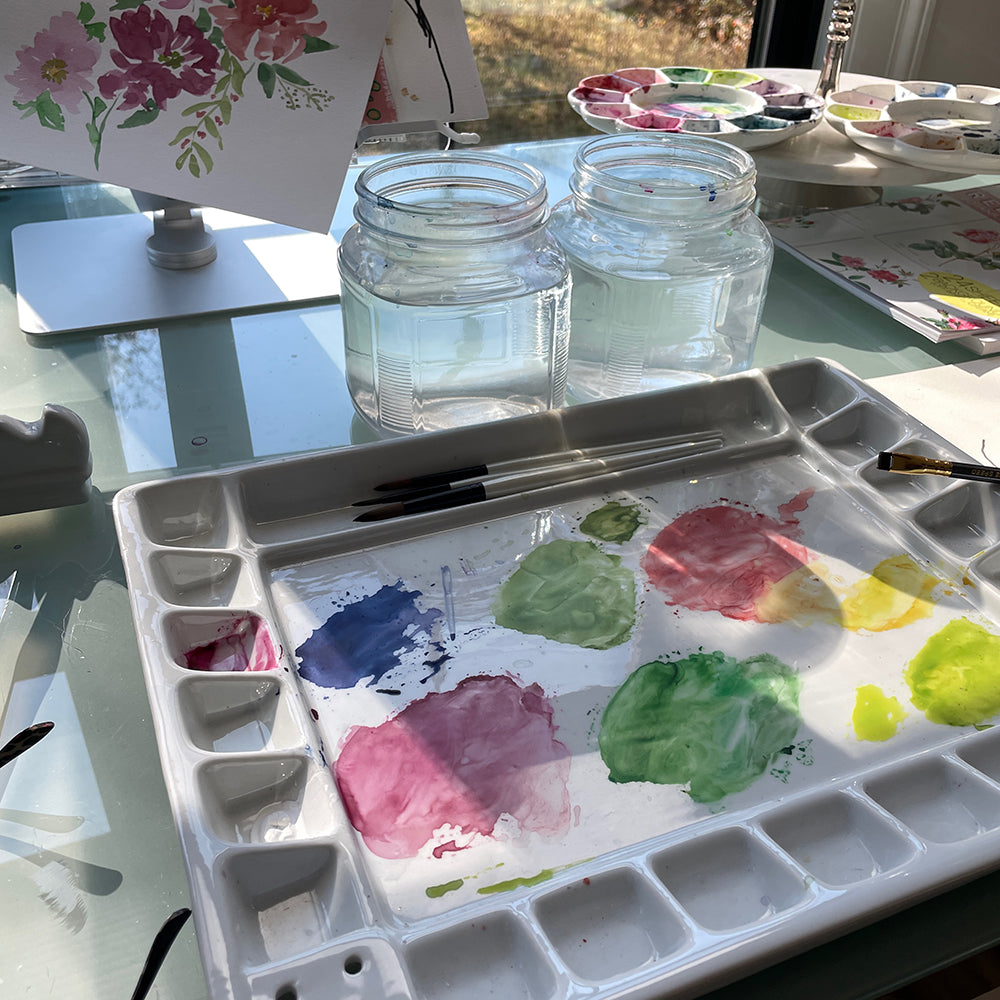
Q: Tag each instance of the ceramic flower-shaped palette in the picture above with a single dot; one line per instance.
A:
(735, 105)
(954, 129)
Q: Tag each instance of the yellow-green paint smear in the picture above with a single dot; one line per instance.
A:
(896, 594)
(570, 592)
(955, 678)
(876, 715)
(437, 891)
(517, 883)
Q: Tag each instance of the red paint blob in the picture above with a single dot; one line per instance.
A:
(726, 558)
(463, 758)
(245, 644)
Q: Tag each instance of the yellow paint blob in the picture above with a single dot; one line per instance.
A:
(803, 596)
(876, 715)
(896, 594)
(955, 678)
(963, 293)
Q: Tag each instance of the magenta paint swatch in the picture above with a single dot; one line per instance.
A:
(244, 644)
(460, 758)
(726, 557)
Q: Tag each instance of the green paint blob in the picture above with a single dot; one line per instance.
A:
(516, 883)
(709, 721)
(955, 678)
(876, 715)
(570, 592)
(614, 522)
(437, 891)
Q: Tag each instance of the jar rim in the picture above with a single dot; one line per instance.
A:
(501, 191)
(678, 163)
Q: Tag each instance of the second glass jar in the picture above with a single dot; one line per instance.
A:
(670, 264)
(454, 296)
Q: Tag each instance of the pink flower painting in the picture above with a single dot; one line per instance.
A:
(157, 59)
(125, 65)
(277, 29)
(980, 235)
(60, 61)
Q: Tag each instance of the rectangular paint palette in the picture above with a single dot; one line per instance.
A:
(632, 736)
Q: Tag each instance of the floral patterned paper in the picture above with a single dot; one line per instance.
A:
(911, 257)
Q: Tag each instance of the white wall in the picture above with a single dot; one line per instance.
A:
(957, 41)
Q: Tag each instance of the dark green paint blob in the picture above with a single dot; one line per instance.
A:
(614, 522)
(437, 891)
(954, 678)
(570, 592)
(709, 721)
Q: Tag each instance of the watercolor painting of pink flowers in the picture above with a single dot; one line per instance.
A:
(140, 59)
(860, 272)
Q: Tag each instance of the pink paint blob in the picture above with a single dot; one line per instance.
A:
(726, 558)
(461, 758)
(244, 644)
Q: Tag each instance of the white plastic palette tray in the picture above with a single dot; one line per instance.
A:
(407, 792)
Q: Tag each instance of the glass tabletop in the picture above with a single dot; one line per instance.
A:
(89, 858)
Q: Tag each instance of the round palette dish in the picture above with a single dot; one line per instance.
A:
(736, 105)
(949, 134)
(868, 103)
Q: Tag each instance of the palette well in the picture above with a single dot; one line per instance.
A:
(923, 123)
(626, 736)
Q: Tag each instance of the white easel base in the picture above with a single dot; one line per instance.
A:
(88, 274)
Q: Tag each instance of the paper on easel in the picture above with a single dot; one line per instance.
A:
(238, 104)
(426, 71)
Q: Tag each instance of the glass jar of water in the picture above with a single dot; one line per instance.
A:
(454, 296)
(669, 263)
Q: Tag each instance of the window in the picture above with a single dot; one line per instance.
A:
(531, 53)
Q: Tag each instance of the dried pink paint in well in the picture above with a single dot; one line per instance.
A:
(461, 758)
(725, 558)
(244, 644)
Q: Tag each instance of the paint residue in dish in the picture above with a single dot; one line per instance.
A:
(708, 721)
(954, 679)
(366, 638)
(457, 760)
(614, 522)
(896, 594)
(244, 644)
(728, 557)
(570, 592)
(876, 715)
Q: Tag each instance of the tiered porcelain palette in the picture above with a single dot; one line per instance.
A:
(741, 107)
(408, 758)
(941, 126)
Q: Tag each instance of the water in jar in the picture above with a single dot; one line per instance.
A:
(413, 368)
(639, 333)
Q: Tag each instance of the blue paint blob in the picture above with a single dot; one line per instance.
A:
(365, 639)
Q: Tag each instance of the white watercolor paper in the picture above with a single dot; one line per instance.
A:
(248, 105)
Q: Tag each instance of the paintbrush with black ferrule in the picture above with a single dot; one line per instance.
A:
(918, 465)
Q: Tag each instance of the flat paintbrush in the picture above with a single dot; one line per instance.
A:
(918, 465)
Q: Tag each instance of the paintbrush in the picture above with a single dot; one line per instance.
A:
(918, 465)
(24, 740)
(559, 462)
(459, 496)
(439, 480)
